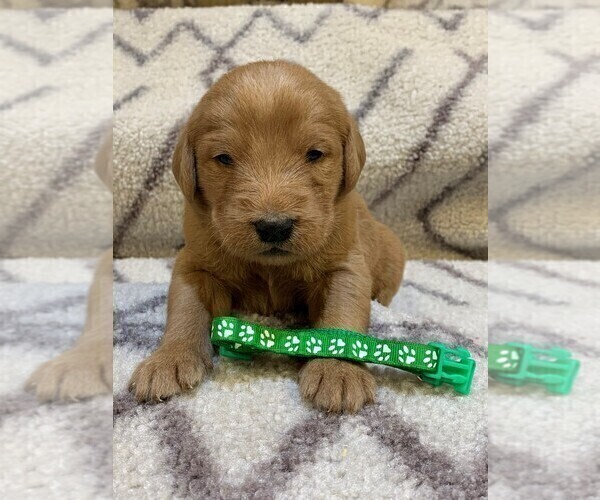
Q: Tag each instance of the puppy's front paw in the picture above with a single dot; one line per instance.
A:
(79, 373)
(167, 372)
(337, 386)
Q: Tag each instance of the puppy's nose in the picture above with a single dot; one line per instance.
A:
(274, 230)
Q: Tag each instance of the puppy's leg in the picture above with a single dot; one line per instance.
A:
(86, 369)
(185, 353)
(344, 301)
(389, 270)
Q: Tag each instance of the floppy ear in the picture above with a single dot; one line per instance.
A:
(354, 157)
(184, 166)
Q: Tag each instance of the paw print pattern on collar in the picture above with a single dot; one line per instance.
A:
(434, 363)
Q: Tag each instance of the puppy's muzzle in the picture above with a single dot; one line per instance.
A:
(274, 229)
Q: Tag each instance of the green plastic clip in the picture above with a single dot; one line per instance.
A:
(456, 368)
(519, 364)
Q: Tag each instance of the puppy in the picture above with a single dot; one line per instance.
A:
(85, 370)
(267, 163)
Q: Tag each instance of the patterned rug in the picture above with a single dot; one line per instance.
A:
(55, 106)
(420, 104)
(246, 433)
(545, 446)
(48, 450)
(544, 114)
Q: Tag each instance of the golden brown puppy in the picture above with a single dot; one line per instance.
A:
(268, 162)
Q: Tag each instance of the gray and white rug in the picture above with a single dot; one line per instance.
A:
(543, 445)
(246, 433)
(48, 450)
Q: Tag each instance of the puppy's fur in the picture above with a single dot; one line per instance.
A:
(85, 370)
(266, 117)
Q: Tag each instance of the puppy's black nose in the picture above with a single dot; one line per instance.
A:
(274, 230)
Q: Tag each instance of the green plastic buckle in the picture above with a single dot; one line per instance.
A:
(519, 364)
(456, 367)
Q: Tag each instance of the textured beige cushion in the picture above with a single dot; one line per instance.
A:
(55, 107)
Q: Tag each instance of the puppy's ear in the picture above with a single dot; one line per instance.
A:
(184, 166)
(354, 157)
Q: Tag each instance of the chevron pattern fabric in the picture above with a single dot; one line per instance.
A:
(543, 446)
(55, 106)
(246, 433)
(544, 117)
(58, 450)
(420, 104)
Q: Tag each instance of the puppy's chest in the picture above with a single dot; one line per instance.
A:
(270, 294)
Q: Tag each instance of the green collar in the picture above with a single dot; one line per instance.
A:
(433, 363)
(519, 364)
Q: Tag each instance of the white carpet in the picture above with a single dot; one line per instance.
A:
(53, 451)
(246, 433)
(544, 445)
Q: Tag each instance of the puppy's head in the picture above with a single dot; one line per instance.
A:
(269, 151)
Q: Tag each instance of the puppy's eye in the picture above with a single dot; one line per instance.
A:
(314, 155)
(224, 160)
